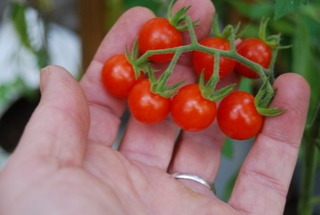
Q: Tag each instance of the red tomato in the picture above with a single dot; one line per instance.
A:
(237, 116)
(203, 61)
(158, 33)
(190, 110)
(118, 76)
(146, 106)
(256, 51)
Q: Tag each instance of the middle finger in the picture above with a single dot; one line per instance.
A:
(153, 145)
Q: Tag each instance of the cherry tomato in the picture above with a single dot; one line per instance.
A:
(118, 76)
(146, 106)
(237, 116)
(256, 51)
(158, 33)
(203, 61)
(190, 110)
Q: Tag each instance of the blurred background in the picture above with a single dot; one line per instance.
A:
(35, 33)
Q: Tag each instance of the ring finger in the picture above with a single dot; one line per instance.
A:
(198, 153)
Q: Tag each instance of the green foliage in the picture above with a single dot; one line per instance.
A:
(42, 57)
(7, 89)
(157, 6)
(20, 24)
(283, 7)
(115, 9)
(17, 15)
(230, 185)
(305, 60)
(253, 11)
(227, 150)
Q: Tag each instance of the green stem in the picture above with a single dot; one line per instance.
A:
(194, 45)
(191, 47)
(208, 89)
(308, 175)
(316, 200)
(215, 27)
(192, 33)
(159, 86)
(235, 56)
(143, 58)
(170, 9)
(270, 70)
(165, 76)
(312, 134)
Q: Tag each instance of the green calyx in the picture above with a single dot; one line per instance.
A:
(229, 33)
(273, 41)
(266, 93)
(160, 86)
(263, 100)
(179, 18)
(132, 58)
(208, 89)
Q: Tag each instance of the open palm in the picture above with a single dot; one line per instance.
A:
(65, 163)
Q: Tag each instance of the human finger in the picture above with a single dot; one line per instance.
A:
(153, 145)
(58, 129)
(105, 110)
(199, 153)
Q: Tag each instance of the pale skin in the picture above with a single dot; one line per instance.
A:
(64, 163)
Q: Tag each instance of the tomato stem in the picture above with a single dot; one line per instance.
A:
(159, 86)
(165, 76)
(194, 45)
(169, 11)
(270, 70)
(213, 81)
(310, 140)
(215, 27)
(266, 75)
(308, 175)
(232, 39)
(263, 29)
(192, 33)
(132, 56)
(316, 200)
(207, 90)
(177, 19)
(191, 47)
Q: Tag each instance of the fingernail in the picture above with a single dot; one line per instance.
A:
(44, 76)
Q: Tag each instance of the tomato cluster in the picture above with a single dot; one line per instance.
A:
(194, 106)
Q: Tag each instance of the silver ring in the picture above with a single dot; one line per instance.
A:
(192, 178)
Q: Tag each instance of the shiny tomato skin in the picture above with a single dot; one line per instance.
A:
(237, 116)
(203, 61)
(254, 50)
(146, 106)
(118, 76)
(190, 110)
(158, 33)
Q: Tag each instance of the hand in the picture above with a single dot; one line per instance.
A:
(64, 163)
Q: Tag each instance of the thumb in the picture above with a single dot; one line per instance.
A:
(58, 128)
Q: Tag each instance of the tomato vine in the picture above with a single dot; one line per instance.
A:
(266, 75)
(159, 47)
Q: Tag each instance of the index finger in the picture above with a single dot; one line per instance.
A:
(105, 111)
